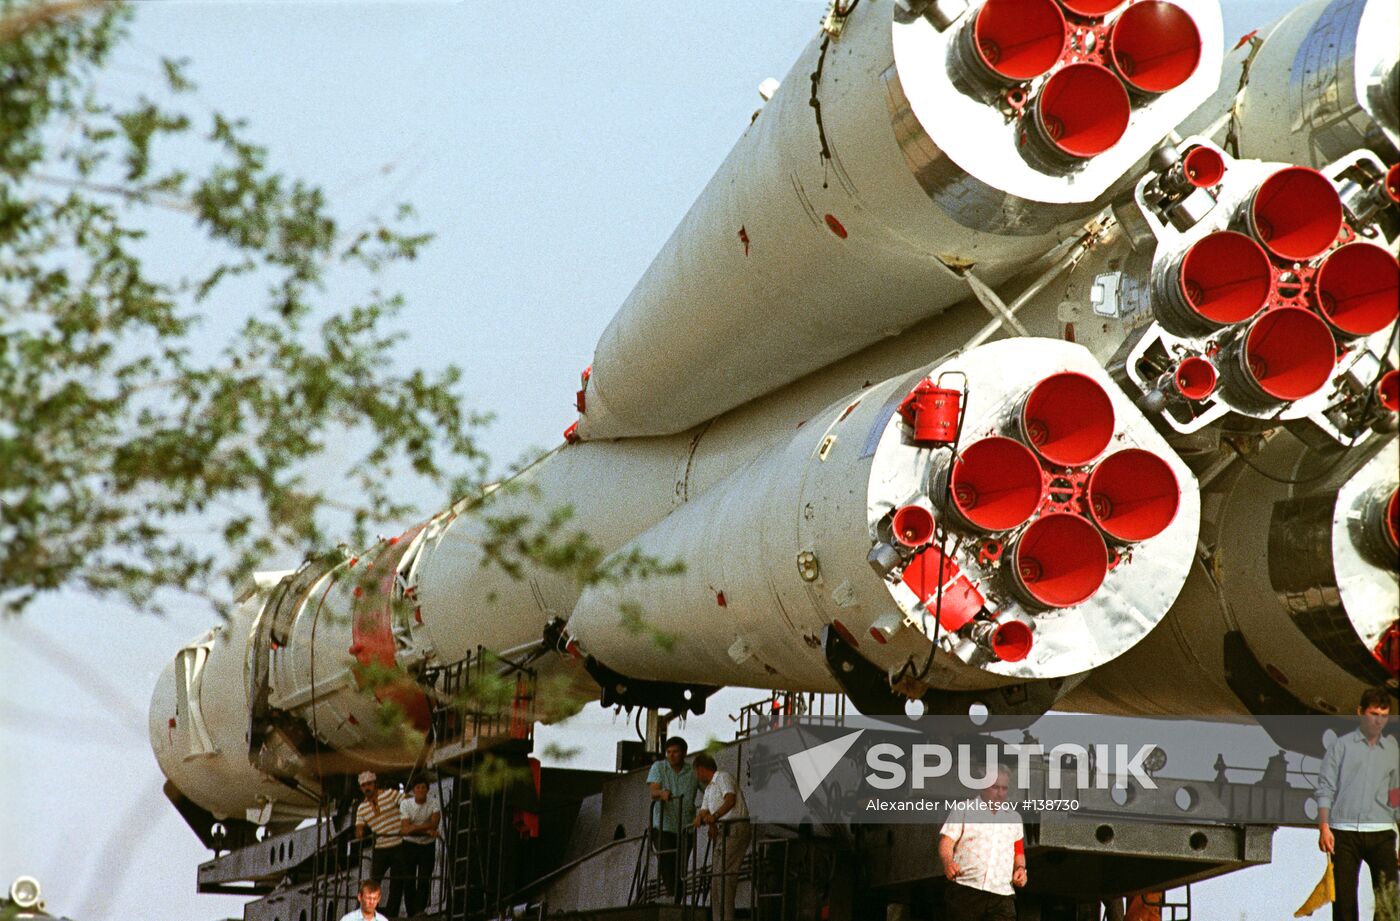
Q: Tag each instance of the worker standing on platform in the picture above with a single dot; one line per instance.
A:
(419, 815)
(983, 860)
(1356, 790)
(673, 786)
(379, 814)
(725, 816)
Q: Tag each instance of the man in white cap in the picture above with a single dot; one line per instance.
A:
(379, 815)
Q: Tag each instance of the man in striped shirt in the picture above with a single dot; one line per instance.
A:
(379, 814)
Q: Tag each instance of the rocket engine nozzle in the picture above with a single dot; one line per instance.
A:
(1357, 288)
(1296, 213)
(1223, 278)
(1011, 641)
(1203, 167)
(1091, 9)
(1388, 391)
(913, 525)
(1059, 561)
(1133, 495)
(1080, 112)
(1068, 419)
(1008, 640)
(1392, 183)
(1287, 354)
(1379, 536)
(1194, 378)
(1014, 40)
(995, 484)
(1155, 47)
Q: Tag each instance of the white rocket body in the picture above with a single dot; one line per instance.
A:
(745, 416)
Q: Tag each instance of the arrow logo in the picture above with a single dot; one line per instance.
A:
(810, 767)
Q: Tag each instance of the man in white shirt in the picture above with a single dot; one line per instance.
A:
(369, 904)
(984, 859)
(419, 815)
(725, 815)
(1358, 790)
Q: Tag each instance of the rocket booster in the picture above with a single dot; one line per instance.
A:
(901, 153)
(799, 403)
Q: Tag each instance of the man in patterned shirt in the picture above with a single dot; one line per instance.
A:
(379, 814)
(984, 858)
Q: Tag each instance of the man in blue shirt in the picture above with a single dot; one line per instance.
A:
(1357, 787)
(673, 786)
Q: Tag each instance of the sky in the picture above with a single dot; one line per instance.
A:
(552, 148)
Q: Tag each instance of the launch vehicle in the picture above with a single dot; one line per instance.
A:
(1022, 354)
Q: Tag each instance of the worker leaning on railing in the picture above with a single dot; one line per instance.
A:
(673, 787)
(725, 816)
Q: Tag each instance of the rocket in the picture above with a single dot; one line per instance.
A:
(1013, 358)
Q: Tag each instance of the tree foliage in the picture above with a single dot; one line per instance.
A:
(125, 426)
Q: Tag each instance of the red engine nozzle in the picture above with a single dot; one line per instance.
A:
(995, 484)
(1357, 289)
(1059, 561)
(1388, 391)
(1015, 40)
(1133, 495)
(1380, 535)
(1091, 9)
(1081, 111)
(1223, 278)
(912, 525)
(1296, 213)
(1204, 167)
(1285, 355)
(1067, 418)
(1155, 46)
(1392, 183)
(1011, 641)
(1194, 378)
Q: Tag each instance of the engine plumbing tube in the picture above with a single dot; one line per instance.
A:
(996, 485)
(1285, 355)
(1080, 112)
(1296, 213)
(1058, 561)
(1357, 287)
(1013, 40)
(1067, 418)
(1133, 495)
(1223, 278)
(1155, 47)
